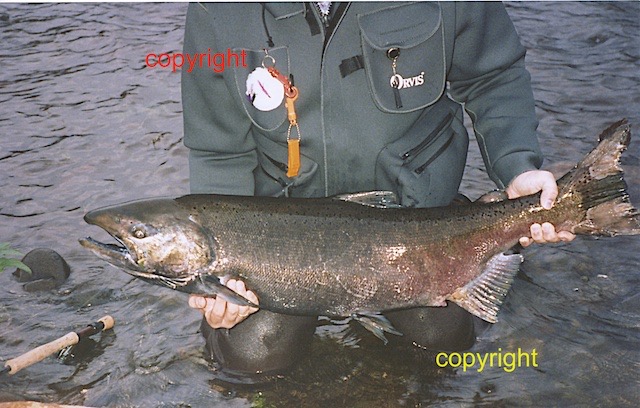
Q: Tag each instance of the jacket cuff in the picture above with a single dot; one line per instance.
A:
(512, 165)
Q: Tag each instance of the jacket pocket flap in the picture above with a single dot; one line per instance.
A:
(400, 26)
(416, 78)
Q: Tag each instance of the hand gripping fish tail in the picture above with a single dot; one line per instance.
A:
(362, 254)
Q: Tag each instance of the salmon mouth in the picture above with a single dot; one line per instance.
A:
(121, 257)
(117, 255)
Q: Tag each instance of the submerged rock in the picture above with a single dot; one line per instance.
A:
(48, 270)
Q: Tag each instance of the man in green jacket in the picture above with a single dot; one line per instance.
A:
(379, 95)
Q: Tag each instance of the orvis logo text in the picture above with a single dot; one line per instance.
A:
(397, 81)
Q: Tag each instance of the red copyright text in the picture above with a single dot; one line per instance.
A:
(218, 61)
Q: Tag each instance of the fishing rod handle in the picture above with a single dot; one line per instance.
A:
(40, 353)
(108, 322)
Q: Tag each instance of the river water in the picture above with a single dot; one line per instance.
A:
(84, 124)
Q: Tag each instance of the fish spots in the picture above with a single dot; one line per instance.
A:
(395, 252)
(482, 248)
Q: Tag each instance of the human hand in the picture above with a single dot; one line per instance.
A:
(221, 314)
(531, 182)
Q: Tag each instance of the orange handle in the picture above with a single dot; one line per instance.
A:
(293, 162)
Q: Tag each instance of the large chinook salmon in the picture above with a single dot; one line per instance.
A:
(347, 256)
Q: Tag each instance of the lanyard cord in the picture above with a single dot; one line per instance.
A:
(270, 43)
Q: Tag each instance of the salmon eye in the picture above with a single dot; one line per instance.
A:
(139, 231)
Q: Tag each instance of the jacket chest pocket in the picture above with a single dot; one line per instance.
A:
(267, 121)
(404, 56)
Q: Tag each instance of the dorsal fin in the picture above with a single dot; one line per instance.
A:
(377, 199)
(493, 197)
(483, 296)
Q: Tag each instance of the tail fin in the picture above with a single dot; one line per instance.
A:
(598, 179)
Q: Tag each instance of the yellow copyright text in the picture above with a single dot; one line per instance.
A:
(508, 361)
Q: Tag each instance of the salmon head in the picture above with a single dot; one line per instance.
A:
(157, 241)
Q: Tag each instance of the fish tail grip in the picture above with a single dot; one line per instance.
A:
(598, 182)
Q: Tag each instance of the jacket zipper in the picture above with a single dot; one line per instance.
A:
(429, 139)
(434, 156)
(324, 18)
(328, 34)
(330, 25)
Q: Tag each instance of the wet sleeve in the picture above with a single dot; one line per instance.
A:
(488, 75)
(222, 153)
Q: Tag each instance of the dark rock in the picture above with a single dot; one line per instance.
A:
(48, 270)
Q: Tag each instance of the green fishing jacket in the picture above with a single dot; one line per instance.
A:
(363, 125)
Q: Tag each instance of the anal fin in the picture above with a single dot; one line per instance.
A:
(483, 296)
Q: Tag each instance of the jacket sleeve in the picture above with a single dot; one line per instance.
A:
(222, 153)
(488, 75)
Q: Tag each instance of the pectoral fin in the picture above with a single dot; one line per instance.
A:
(483, 296)
(210, 285)
(376, 324)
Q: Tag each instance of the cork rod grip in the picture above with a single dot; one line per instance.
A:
(108, 322)
(40, 353)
